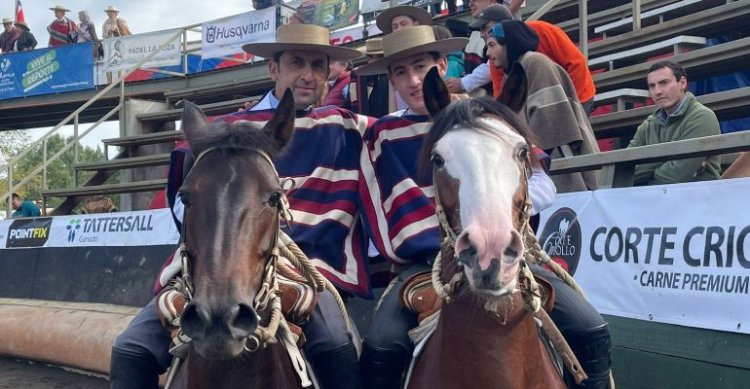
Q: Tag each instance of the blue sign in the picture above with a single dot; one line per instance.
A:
(52, 70)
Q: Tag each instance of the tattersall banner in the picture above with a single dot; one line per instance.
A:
(224, 37)
(141, 228)
(677, 254)
(52, 70)
(122, 53)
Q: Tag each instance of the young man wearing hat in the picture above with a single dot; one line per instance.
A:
(9, 36)
(402, 16)
(322, 160)
(114, 26)
(26, 40)
(553, 42)
(62, 31)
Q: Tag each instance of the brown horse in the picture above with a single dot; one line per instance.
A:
(484, 337)
(233, 200)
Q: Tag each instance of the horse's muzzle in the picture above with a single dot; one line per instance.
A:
(219, 332)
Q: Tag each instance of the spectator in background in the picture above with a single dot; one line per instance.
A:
(403, 16)
(679, 116)
(62, 31)
(87, 33)
(114, 26)
(456, 58)
(339, 78)
(23, 208)
(553, 42)
(9, 36)
(26, 41)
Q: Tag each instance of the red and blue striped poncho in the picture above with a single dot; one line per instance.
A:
(322, 159)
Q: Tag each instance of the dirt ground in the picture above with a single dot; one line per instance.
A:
(15, 374)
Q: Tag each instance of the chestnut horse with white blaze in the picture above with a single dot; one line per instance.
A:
(485, 337)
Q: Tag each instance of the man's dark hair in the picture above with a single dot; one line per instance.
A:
(15, 196)
(676, 68)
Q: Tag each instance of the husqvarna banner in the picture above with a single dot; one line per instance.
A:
(677, 254)
(140, 228)
(225, 37)
(124, 52)
(53, 70)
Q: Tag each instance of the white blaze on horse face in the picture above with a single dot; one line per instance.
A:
(487, 168)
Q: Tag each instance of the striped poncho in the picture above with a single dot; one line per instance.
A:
(61, 32)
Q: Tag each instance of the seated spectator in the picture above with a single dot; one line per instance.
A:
(679, 116)
(98, 204)
(23, 208)
(456, 58)
(552, 109)
(26, 41)
(339, 79)
(9, 36)
(62, 31)
(403, 16)
(114, 26)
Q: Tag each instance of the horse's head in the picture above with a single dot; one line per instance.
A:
(480, 160)
(232, 199)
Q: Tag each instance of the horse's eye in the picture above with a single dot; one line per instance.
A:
(437, 160)
(185, 199)
(523, 153)
(275, 199)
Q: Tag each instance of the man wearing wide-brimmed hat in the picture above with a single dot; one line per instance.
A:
(9, 36)
(26, 41)
(402, 16)
(114, 26)
(322, 160)
(389, 170)
(62, 31)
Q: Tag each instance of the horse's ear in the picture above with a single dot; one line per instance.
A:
(514, 89)
(281, 126)
(193, 120)
(436, 95)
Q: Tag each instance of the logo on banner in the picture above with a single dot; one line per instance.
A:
(72, 227)
(216, 33)
(40, 70)
(29, 232)
(561, 239)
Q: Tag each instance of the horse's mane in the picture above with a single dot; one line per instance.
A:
(238, 135)
(466, 114)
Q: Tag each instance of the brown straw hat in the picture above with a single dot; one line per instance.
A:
(383, 20)
(59, 8)
(374, 46)
(7, 20)
(112, 8)
(23, 25)
(308, 37)
(407, 42)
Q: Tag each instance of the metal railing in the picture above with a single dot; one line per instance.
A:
(74, 116)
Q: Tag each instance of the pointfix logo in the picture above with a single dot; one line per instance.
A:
(561, 239)
(72, 227)
(29, 232)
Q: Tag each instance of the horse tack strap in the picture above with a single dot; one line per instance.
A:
(562, 347)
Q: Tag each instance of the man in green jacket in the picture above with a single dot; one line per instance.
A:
(679, 116)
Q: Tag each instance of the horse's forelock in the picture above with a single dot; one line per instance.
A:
(241, 134)
(465, 114)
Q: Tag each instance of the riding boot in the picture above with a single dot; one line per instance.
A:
(337, 368)
(381, 368)
(593, 348)
(133, 371)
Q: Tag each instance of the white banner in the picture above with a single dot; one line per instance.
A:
(141, 228)
(677, 254)
(355, 33)
(123, 53)
(224, 37)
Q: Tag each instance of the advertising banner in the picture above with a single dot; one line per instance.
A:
(225, 37)
(52, 70)
(331, 14)
(677, 254)
(141, 228)
(369, 6)
(122, 53)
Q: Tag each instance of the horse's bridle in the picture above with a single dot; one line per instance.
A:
(269, 293)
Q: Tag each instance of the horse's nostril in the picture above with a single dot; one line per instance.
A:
(242, 320)
(194, 321)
